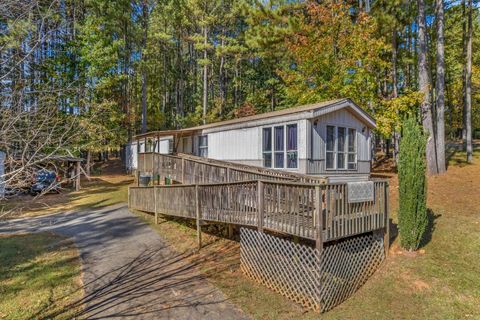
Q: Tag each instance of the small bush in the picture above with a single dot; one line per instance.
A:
(412, 216)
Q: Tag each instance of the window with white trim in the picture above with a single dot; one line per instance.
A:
(352, 149)
(292, 146)
(203, 146)
(170, 146)
(331, 131)
(150, 146)
(341, 148)
(267, 147)
(280, 146)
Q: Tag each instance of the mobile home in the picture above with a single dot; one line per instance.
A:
(330, 139)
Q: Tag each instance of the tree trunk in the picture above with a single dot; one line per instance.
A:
(235, 86)
(424, 84)
(221, 78)
(440, 88)
(87, 164)
(144, 68)
(396, 134)
(205, 74)
(468, 86)
(464, 75)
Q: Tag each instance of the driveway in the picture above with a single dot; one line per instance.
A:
(129, 271)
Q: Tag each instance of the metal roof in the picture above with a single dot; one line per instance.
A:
(272, 114)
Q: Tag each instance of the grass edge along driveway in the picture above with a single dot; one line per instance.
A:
(40, 274)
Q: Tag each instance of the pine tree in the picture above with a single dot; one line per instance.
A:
(440, 88)
(424, 86)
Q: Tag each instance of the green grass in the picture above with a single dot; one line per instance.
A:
(459, 158)
(100, 194)
(39, 276)
(441, 281)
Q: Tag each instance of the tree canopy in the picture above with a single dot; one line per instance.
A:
(176, 63)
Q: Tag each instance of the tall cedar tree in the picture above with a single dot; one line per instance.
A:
(412, 214)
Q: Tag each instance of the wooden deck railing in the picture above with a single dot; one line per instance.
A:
(188, 169)
(317, 212)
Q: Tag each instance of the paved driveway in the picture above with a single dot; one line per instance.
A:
(128, 271)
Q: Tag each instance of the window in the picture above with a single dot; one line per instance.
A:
(141, 147)
(280, 147)
(341, 148)
(292, 148)
(352, 149)
(267, 147)
(170, 146)
(149, 146)
(186, 145)
(341, 138)
(203, 146)
(330, 147)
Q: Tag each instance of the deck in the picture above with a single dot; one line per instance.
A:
(217, 191)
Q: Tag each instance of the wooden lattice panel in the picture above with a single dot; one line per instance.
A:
(318, 281)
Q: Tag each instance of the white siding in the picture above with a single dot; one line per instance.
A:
(164, 146)
(245, 145)
(239, 144)
(302, 139)
(341, 118)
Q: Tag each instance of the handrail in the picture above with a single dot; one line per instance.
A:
(242, 167)
(286, 183)
(286, 207)
(290, 203)
(246, 167)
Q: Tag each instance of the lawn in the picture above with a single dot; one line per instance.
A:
(39, 277)
(440, 281)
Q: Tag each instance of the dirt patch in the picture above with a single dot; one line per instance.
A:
(420, 285)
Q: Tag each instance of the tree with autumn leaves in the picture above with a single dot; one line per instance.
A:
(334, 55)
(151, 65)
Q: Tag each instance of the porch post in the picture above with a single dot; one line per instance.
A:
(155, 204)
(144, 153)
(260, 205)
(183, 170)
(198, 215)
(77, 179)
(318, 218)
(386, 235)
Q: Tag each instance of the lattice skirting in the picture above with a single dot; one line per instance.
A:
(318, 281)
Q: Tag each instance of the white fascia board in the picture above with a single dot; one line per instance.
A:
(262, 122)
(352, 107)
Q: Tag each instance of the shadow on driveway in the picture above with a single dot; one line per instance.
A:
(128, 271)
